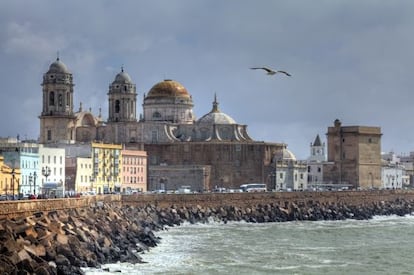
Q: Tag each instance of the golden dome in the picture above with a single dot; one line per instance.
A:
(168, 88)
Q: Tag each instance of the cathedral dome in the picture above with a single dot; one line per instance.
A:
(58, 67)
(122, 77)
(215, 116)
(168, 88)
(285, 154)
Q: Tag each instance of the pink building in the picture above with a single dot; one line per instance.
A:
(134, 171)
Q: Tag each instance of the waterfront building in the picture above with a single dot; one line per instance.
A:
(354, 156)
(52, 171)
(134, 170)
(393, 175)
(83, 179)
(29, 167)
(408, 162)
(289, 174)
(315, 164)
(107, 164)
(25, 156)
(9, 181)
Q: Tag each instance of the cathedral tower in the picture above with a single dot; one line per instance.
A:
(122, 98)
(57, 104)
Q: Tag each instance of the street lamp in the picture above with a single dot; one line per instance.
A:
(34, 183)
(30, 183)
(13, 173)
(46, 172)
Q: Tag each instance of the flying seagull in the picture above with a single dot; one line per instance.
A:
(270, 71)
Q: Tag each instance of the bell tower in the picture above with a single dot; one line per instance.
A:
(57, 104)
(122, 99)
(317, 149)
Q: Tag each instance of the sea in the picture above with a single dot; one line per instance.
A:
(382, 245)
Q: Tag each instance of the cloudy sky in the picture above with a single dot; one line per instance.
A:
(350, 60)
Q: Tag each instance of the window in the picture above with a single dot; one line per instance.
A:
(154, 136)
(52, 98)
(49, 134)
(60, 100)
(117, 106)
(156, 115)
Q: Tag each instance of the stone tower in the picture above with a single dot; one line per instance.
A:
(354, 156)
(57, 105)
(122, 98)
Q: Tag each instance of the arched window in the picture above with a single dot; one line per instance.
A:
(117, 106)
(60, 100)
(52, 98)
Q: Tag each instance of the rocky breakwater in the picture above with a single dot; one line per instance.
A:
(63, 241)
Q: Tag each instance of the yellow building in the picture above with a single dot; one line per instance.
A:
(107, 162)
(9, 180)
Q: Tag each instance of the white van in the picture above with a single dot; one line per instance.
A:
(184, 190)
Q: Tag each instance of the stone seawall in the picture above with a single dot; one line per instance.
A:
(61, 236)
(18, 208)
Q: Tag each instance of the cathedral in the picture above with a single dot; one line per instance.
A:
(168, 130)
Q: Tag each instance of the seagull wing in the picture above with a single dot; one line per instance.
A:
(263, 68)
(283, 72)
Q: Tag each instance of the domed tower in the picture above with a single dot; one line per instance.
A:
(168, 101)
(217, 125)
(122, 98)
(57, 110)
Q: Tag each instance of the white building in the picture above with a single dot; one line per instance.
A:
(289, 174)
(315, 163)
(52, 171)
(393, 174)
(83, 181)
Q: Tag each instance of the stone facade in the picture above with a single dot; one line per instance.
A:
(232, 163)
(354, 156)
(169, 178)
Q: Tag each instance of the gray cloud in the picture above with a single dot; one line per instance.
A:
(349, 60)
